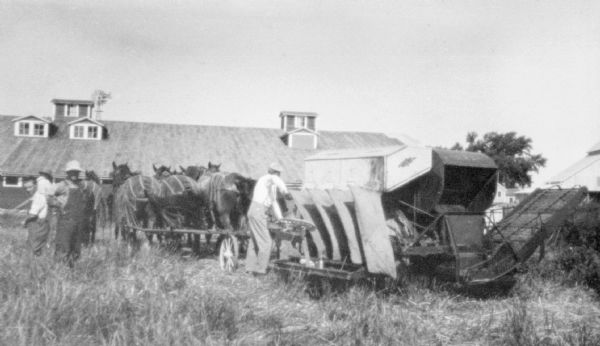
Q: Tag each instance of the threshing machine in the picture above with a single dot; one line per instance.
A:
(373, 211)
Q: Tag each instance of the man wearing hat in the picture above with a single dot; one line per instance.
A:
(70, 200)
(264, 199)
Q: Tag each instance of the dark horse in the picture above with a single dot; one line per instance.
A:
(229, 196)
(130, 203)
(162, 171)
(96, 209)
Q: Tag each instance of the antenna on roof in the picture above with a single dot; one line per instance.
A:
(99, 97)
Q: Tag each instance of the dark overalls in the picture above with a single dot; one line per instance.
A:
(70, 224)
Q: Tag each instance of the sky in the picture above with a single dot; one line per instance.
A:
(429, 70)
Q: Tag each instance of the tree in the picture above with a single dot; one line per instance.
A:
(512, 154)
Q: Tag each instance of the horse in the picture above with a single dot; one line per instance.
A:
(194, 172)
(96, 209)
(179, 201)
(162, 171)
(129, 199)
(229, 196)
(213, 168)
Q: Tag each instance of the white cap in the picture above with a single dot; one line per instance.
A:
(73, 165)
(276, 167)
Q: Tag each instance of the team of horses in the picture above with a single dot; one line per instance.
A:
(196, 197)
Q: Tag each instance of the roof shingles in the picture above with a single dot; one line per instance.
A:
(239, 149)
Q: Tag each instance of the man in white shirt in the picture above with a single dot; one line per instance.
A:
(264, 199)
(36, 222)
(44, 183)
(47, 188)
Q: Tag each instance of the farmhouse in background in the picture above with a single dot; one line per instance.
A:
(585, 172)
(33, 143)
(504, 201)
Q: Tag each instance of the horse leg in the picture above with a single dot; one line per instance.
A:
(212, 222)
(93, 229)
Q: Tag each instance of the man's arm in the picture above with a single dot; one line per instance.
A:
(281, 187)
(37, 204)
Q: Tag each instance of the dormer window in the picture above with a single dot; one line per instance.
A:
(72, 108)
(78, 131)
(31, 126)
(24, 128)
(39, 130)
(291, 121)
(92, 132)
(85, 128)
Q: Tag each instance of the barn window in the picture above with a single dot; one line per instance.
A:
(78, 131)
(72, 111)
(83, 110)
(301, 122)
(12, 182)
(59, 109)
(38, 130)
(93, 132)
(311, 123)
(24, 128)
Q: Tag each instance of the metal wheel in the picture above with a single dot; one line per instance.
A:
(228, 254)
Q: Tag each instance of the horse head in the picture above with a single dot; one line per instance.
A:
(91, 175)
(213, 168)
(194, 172)
(120, 173)
(162, 171)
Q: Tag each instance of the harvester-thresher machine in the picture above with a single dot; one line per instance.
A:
(388, 211)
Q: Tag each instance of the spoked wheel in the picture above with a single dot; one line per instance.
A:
(228, 254)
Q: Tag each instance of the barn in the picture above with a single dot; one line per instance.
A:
(585, 172)
(32, 143)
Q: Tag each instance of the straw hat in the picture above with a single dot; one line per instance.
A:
(276, 167)
(73, 166)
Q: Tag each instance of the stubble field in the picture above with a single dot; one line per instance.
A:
(157, 297)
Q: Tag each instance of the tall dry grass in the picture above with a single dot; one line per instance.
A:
(157, 297)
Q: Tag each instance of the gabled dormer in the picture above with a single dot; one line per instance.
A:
(86, 128)
(66, 109)
(300, 129)
(31, 126)
(297, 120)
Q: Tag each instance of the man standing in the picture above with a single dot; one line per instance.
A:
(264, 199)
(36, 222)
(46, 188)
(70, 201)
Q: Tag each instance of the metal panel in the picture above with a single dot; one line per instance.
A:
(368, 172)
(467, 230)
(381, 169)
(332, 222)
(406, 165)
(464, 158)
(374, 233)
(344, 204)
(308, 211)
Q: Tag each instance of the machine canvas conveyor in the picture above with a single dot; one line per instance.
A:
(373, 210)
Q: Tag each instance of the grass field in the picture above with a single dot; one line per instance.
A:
(159, 298)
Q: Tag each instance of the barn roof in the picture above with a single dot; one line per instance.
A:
(239, 149)
(574, 169)
(72, 101)
(594, 149)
